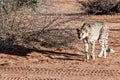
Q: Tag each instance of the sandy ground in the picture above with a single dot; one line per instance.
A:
(59, 64)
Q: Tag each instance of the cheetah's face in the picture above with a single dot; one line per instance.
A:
(82, 34)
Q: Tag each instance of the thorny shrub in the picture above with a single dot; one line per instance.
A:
(15, 20)
(100, 7)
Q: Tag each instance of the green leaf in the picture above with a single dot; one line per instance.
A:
(1, 2)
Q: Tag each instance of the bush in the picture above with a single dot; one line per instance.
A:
(19, 3)
(14, 20)
(100, 7)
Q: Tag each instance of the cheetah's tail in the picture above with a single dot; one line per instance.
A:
(110, 50)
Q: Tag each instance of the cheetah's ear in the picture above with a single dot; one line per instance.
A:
(85, 25)
(88, 25)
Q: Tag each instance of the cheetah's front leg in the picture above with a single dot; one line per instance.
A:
(93, 50)
(86, 47)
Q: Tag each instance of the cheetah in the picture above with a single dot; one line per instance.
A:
(92, 32)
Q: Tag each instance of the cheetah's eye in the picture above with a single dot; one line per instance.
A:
(82, 33)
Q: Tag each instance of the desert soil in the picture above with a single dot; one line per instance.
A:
(62, 64)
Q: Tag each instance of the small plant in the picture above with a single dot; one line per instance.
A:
(19, 3)
(100, 7)
(32, 3)
(1, 1)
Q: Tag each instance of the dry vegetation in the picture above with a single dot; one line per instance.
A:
(101, 7)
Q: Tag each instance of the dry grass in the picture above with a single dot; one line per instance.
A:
(100, 7)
